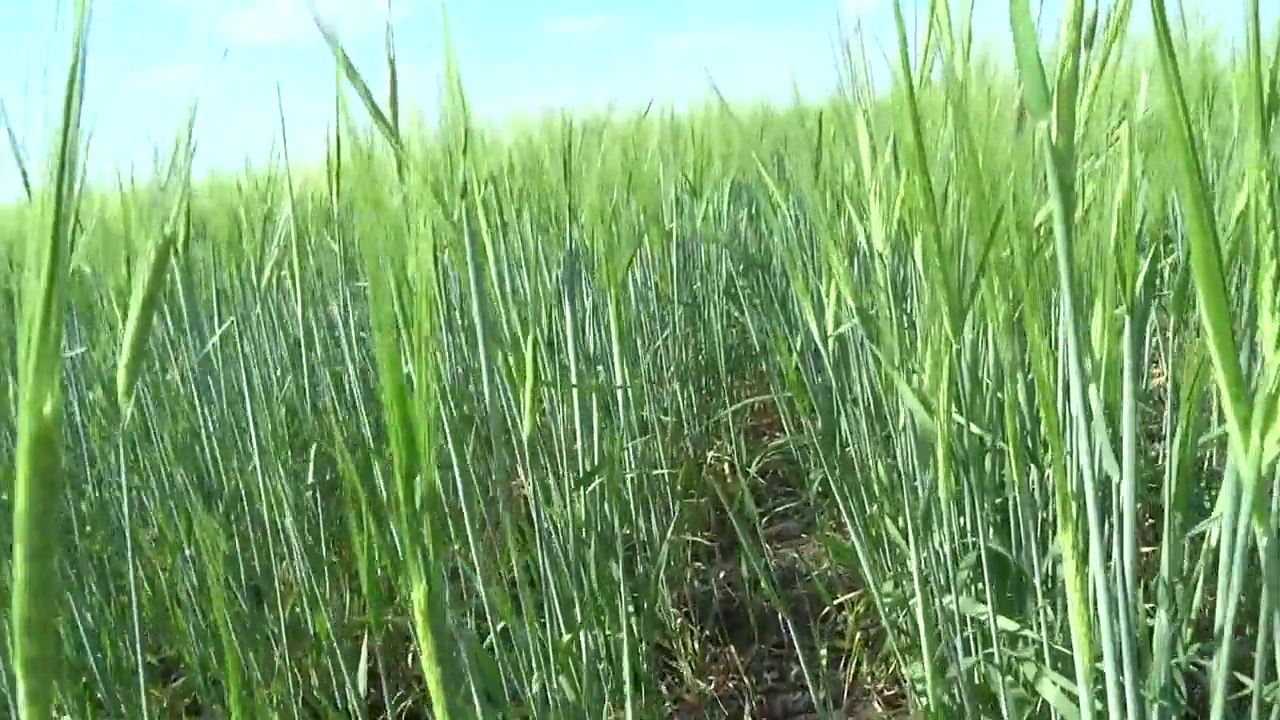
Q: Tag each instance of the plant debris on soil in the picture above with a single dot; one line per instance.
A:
(751, 651)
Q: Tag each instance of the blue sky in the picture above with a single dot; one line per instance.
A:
(149, 58)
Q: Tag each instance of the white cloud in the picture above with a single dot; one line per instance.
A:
(581, 24)
(722, 39)
(168, 75)
(176, 79)
(681, 42)
(277, 22)
(858, 9)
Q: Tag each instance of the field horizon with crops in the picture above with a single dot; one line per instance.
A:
(958, 398)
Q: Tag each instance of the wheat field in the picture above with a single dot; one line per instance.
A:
(954, 399)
